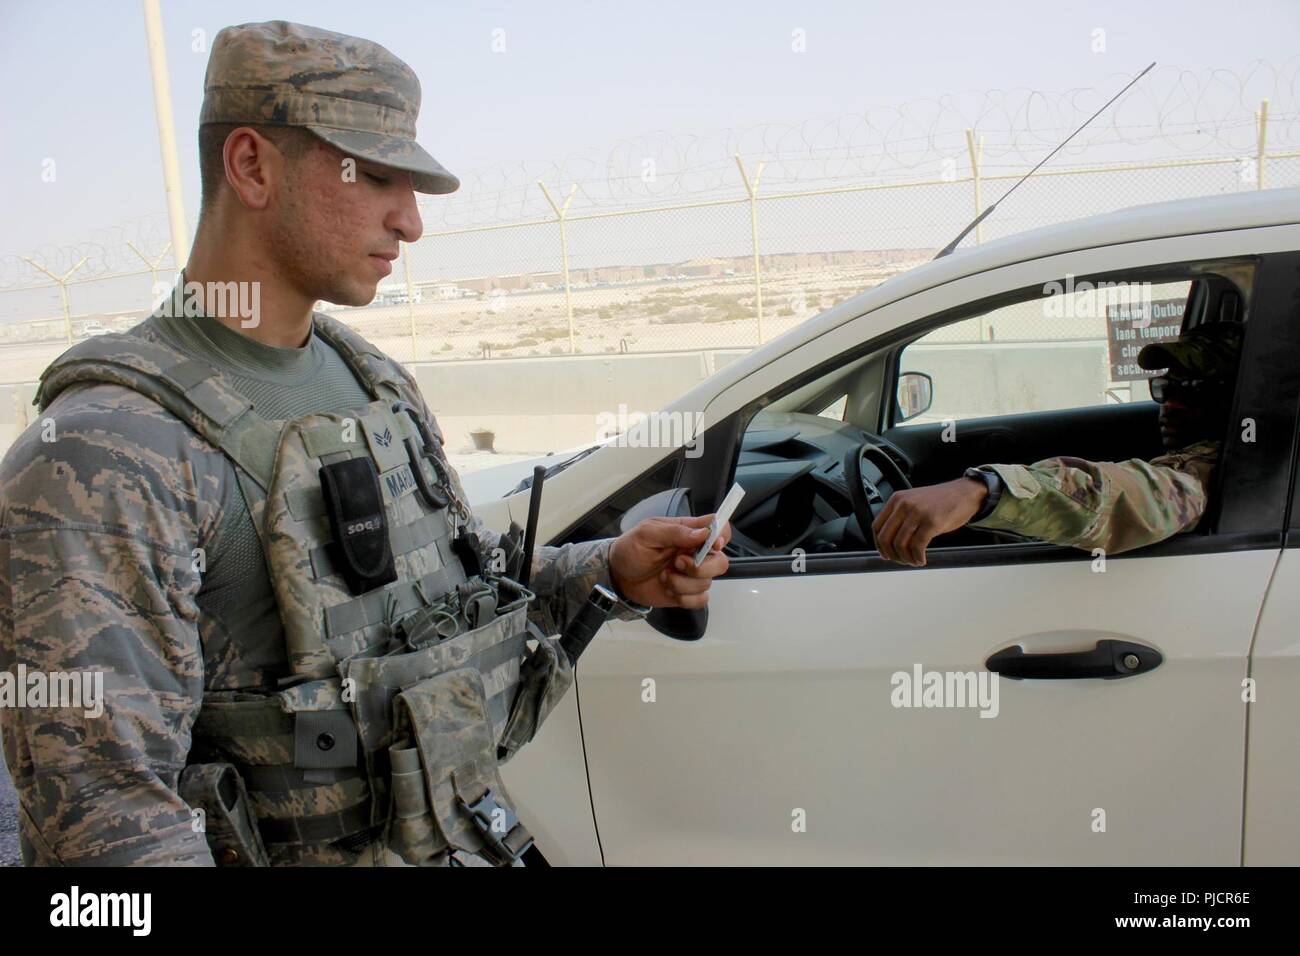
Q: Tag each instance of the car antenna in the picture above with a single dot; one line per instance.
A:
(985, 214)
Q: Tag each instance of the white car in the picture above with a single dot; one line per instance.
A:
(778, 732)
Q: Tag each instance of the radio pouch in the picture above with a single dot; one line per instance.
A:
(354, 501)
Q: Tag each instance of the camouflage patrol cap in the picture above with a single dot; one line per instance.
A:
(1208, 351)
(350, 92)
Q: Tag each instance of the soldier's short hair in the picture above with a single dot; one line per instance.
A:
(293, 141)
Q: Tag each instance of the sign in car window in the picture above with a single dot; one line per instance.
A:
(1132, 325)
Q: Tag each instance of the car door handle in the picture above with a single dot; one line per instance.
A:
(1109, 660)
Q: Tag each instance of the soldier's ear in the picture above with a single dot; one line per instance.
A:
(253, 167)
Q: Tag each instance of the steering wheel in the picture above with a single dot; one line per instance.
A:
(862, 489)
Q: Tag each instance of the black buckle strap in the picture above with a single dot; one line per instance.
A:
(502, 848)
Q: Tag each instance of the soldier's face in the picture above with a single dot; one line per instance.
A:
(339, 224)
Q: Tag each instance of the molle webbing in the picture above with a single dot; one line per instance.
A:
(405, 538)
(383, 605)
(292, 804)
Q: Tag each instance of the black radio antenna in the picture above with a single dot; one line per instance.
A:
(534, 513)
(985, 214)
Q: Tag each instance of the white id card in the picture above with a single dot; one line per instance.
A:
(721, 518)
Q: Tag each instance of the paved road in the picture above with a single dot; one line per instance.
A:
(8, 820)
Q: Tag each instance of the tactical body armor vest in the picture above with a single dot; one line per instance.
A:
(413, 674)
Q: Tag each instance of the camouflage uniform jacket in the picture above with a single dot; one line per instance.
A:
(98, 532)
(1115, 506)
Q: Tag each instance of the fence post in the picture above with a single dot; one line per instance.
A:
(1262, 117)
(162, 102)
(976, 155)
(564, 251)
(752, 189)
(410, 296)
(63, 289)
(151, 265)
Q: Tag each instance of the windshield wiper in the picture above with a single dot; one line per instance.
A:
(555, 469)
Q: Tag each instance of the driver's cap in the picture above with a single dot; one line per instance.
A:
(1208, 351)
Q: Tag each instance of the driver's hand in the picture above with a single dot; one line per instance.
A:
(913, 518)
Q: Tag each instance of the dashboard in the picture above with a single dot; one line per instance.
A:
(791, 466)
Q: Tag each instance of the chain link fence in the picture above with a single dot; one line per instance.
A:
(664, 279)
(747, 256)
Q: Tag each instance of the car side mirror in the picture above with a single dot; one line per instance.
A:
(915, 395)
(679, 623)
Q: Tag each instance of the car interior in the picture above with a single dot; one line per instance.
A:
(819, 461)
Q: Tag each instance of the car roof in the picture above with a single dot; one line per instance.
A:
(1204, 214)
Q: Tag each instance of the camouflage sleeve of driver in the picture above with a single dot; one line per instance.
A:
(561, 576)
(1115, 506)
(102, 503)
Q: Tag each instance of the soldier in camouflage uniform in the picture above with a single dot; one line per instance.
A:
(1114, 506)
(127, 540)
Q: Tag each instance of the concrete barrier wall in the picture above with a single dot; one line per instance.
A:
(533, 405)
(16, 411)
(546, 404)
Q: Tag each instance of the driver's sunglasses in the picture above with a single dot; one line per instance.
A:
(1165, 386)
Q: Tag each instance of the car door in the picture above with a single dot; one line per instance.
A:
(797, 729)
(1272, 695)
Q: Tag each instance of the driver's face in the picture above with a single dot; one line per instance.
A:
(1189, 415)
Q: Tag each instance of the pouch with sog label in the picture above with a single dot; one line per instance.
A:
(355, 504)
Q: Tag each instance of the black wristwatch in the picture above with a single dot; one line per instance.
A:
(993, 481)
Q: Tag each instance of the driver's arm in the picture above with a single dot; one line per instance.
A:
(1114, 506)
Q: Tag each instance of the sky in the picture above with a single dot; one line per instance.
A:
(569, 83)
